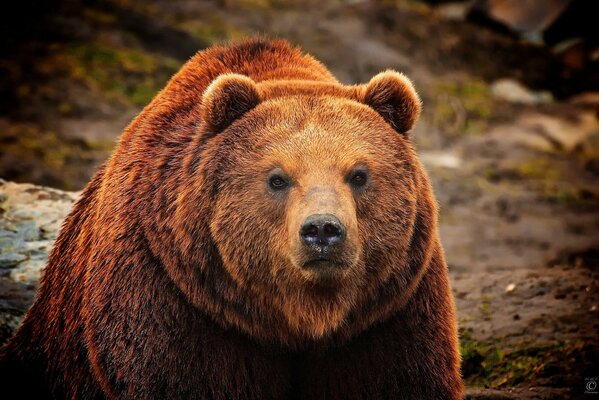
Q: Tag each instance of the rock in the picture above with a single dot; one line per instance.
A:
(37, 248)
(590, 99)
(28, 272)
(9, 240)
(30, 219)
(454, 11)
(525, 16)
(551, 133)
(10, 260)
(441, 159)
(513, 91)
(29, 230)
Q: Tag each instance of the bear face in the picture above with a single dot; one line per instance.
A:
(314, 192)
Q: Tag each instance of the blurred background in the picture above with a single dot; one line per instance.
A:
(509, 134)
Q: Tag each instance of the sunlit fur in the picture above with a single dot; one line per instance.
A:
(180, 273)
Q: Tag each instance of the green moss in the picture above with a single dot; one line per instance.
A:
(62, 159)
(462, 107)
(542, 173)
(142, 93)
(488, 365)
(485, 307)
(414, 5)
(214, 29)
(269, 4)
(540, 168)
(491, 174)
(64, 108)
(99, 16)
(122, 74)
(568, 195)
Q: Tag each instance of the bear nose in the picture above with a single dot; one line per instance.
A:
(322, 230)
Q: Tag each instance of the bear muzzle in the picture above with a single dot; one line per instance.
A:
(322, 237)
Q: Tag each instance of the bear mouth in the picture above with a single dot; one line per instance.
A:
(324, 264)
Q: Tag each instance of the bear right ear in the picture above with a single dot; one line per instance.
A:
(393, 96)
(226, 99)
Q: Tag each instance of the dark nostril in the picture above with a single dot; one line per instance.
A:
(331, 230)
(322, 230)
(310, 231)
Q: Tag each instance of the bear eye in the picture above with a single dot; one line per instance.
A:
(358, 178)
(277, 182)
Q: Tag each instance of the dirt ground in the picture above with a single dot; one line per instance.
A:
(517, 179)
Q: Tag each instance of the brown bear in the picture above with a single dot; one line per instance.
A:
(260, 232)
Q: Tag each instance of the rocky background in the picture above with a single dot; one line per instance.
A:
(509, 134)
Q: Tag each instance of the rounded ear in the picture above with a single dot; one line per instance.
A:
(226, 99)
(393, 96)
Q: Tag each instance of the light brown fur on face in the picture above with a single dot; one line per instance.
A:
(318, 145)
(185, 272)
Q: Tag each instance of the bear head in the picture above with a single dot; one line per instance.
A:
(305, 211)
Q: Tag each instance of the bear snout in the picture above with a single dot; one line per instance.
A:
(322, 231)
(322, 237)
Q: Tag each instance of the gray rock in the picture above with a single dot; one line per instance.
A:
(10, 241)
(29, 224)
(10, 260)
(29, 230)
(28, 272)
(513, 91)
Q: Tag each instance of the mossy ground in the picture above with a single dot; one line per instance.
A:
(24, 146)
(462, 107)
(496, 366)
(128, 76)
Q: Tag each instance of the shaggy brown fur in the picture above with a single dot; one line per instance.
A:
(181, 274)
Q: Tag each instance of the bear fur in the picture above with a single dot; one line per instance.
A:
(179, 274)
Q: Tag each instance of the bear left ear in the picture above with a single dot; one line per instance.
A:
(226, 99)
(393, 96)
